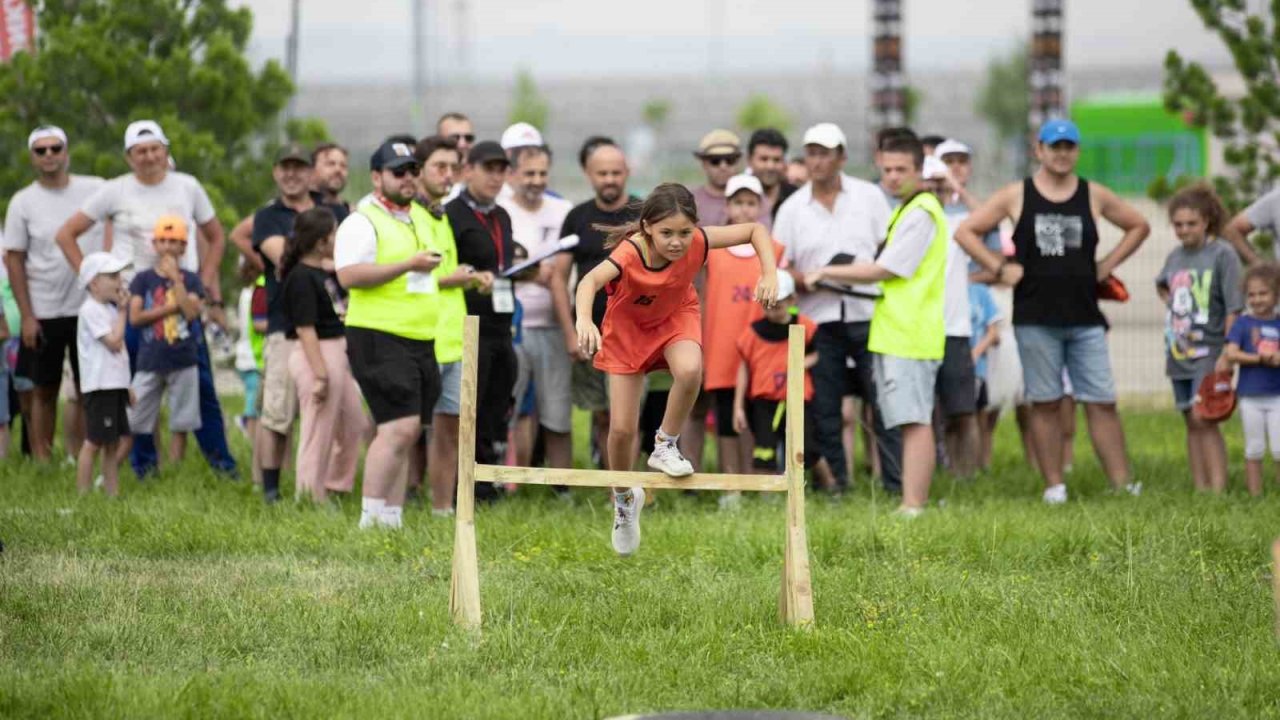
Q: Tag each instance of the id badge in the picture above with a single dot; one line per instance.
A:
(504, 299)
(421, 283)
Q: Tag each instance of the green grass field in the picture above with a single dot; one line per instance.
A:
(189, 598)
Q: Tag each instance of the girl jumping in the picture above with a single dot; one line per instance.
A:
(653, 322)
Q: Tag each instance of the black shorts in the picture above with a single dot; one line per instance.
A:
(43, 364)
(722, 399)
(397, 375)
(769, 429)
(106, 416)
(983, 399)
(957, 384)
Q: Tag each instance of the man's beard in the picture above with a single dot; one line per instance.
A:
(609, 194)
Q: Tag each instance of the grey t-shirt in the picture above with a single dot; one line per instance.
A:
(1264, 214)
(1204, 288)
(133, 209)
(35, 215)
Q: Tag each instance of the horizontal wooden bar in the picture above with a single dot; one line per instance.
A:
(603, 478)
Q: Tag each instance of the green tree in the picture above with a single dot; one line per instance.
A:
(912, 98)
(1248, 125)
(529, 105)
(100, 64)
(761, 112)
(1004, 99)
(655, 113)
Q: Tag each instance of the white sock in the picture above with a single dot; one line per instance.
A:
(372, 506)
(663, 437)
(392, 516)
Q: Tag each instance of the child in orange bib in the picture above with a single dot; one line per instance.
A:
(652, 323)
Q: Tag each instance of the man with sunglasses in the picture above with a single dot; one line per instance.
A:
(457, 127)
(483, 232)
(1056, 318)
(272, 227)
(386, 254)
(720, 152)
(44, 285)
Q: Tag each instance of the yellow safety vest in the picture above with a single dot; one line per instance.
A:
(390, 307)
(908, 320)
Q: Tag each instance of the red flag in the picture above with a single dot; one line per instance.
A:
(17, 28)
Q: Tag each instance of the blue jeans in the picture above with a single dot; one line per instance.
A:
(836, 343)
(211, 437)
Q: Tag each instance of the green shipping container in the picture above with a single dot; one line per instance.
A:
(1129, 140)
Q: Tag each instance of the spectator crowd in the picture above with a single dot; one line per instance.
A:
(927, 312)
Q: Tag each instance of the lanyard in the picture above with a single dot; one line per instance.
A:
(495, 234)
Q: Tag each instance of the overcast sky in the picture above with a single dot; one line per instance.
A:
(345, 40)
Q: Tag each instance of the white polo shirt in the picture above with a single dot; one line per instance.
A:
(813, 235)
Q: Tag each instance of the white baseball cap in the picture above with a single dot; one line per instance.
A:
(743, 182)
(99, 263)
(951, 147)
(934, 169)
(521, 134)
(140, 131)
(786, 285)
(828, 135)
(43, 132)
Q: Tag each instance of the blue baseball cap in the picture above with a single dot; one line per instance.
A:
(1058, 130)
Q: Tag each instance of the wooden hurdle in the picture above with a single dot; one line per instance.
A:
(795, 602)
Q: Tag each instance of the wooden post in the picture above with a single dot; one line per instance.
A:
(1275, 580)
(796, 602)
(464, 586)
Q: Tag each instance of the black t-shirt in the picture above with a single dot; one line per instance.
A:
(313, 297)
(590, 251)
(785, 190)
(277, 219)
(1057, 245)
(484, 242)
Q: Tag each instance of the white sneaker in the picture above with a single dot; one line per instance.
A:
(99, 482)
(442, 513)
(626, 522)
(1134, 489)
(1055, 494)
(666, 458)
(391, 518)
(368, 520)
(908, 513)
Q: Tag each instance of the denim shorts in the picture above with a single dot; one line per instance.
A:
(1082, 350)
(1184, 392)
(450, 389)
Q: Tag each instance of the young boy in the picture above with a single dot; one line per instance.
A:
(5, 415)
(252, 310)
(984, 317)
(104, 370)
(760, 394)
(166, 299)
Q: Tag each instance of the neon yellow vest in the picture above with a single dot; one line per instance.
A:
(453, 305)
(390, 307)
(908, 319)
(256, 339)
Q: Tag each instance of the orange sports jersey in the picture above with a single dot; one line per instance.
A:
(763, 346)
(729, 298)
(649, 308)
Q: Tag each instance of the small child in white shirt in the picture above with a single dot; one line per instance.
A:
(104, 370)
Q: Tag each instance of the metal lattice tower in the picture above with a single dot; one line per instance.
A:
(888, 89)
(1048, 100)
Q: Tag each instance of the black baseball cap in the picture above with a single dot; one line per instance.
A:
(293, 152)
(392, 155)
(486, 151)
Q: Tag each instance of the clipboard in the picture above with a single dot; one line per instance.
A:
(567, 242)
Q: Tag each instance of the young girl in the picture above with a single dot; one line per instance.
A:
(1253, 343)
(653, 322)
(1200, 286)
(333, 419)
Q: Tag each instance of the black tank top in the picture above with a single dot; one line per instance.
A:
(1056, 244)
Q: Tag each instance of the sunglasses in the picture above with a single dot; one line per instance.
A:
(49, 150)
(457, 137)
(722, 160)
(411, 170)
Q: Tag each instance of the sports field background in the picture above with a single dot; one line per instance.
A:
(188, 597)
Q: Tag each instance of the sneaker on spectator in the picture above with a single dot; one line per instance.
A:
(1134, 488)
(908, 513)
(731, 501)
(1055, 494)
(666, 458)
(626, 521)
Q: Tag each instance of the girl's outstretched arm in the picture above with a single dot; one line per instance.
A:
(762, 241)
(588, 286)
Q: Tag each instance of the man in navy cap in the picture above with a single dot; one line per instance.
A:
(1055, 298)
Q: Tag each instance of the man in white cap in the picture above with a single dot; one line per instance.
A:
(44, 286)
(720, 152)
(536, 220)
(836, 214)
(133, 203)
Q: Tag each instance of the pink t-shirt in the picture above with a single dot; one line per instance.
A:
(536, 232)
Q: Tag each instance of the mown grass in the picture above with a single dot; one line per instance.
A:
(189, 598)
